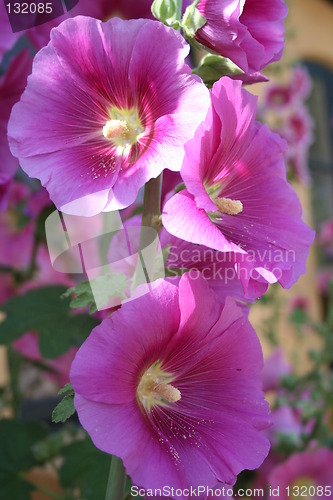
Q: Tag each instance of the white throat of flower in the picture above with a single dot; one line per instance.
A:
(154, 388)
(124, 128)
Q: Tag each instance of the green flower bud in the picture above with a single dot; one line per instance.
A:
(165, 11)
(212, 67)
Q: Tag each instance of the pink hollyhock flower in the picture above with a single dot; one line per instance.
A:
(301, 83)
(298, 128)
(237, 198)
(218, 268)
(297, 163)
(178, 397)
(295, 92)
(249, 33)
(286, 423)
(181, 256)
(275, 367)
(278, 96)
(112, 111)
(12, 85)
(299, 302)
(7, 287)
(37, 202)
(309, 469)
(99, 9)
(170, 181)
(325, 237)
(60, 367)
(125, 9)
(325, 280)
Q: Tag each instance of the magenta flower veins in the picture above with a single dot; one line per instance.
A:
(237, 198)
(171, 384)
(108, 106)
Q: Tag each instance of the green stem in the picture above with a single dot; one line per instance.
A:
(152, 203)
(179, 10)
(117, 479)
(15, 361)
(150, 218)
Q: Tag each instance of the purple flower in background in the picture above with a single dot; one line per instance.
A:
(108, 106)
(14, 239)
(308, 469)
(301, 83)
(99, 9)
(237, 198)
(275, 368)
(248, 32)
(278, 96)
(296, 91)
(28, 346)
(12, 85)
(325, 237)
(171, 383)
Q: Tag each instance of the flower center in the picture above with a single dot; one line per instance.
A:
(225, 205)
(124, 127)
(228, 206)
(155, 389)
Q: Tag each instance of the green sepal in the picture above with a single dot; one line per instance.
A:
(212, 67)
(192, 21)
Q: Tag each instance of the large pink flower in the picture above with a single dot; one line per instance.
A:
(237, 198)
(304, 473)
(108, 106)
(171, 384)
(12, 85)
(181, 256)
(248, 32)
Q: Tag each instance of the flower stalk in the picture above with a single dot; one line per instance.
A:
(116, 481)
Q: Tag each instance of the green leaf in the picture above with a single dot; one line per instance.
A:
(43, 311)
(14, 487)
(212, 67)
(67, 389)
(17, 456)
(64, 410)
(298, 316)
(86, 468)
(83, 296)
(105, 287)
(192, 21)
(17, 441)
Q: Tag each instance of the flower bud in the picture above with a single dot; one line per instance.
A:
(165, 11)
